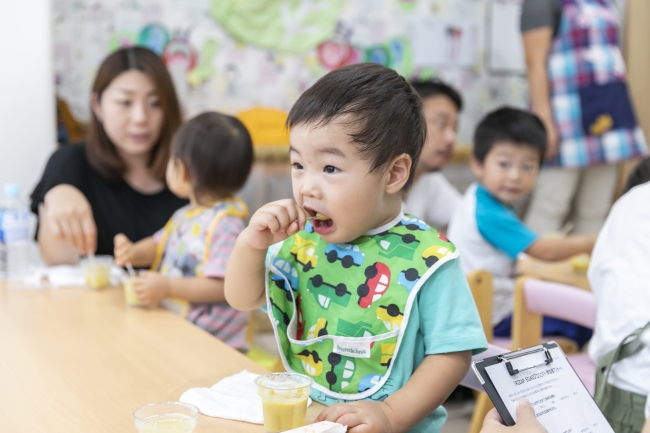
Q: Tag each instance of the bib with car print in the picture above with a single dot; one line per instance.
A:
(340, 310)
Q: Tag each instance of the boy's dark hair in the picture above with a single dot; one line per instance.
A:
(217, 152)
(436, 87)
(640, 174)
(510, 125)
(380, 108)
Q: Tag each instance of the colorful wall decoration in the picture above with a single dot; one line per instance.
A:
(231, 55)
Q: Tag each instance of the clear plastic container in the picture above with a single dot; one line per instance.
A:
(166, 417)
(284, 400)
(97, 271)
(129, 292)
(14, 235)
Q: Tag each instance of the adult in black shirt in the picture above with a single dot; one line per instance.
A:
(115, 182)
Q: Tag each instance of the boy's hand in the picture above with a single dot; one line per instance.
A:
(151, 288)
(274, 222)
(122, 249)
(360, 416)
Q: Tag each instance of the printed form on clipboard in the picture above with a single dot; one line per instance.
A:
(543, 375)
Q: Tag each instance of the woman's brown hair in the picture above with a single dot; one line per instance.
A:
(102, 155)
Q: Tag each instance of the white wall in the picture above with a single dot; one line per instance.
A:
(27, 105)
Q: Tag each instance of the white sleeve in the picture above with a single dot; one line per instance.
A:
(443, 201)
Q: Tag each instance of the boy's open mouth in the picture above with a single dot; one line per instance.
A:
(322, 223)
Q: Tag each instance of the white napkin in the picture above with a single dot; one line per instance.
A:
(64, 275)
(233, 397)
(320, 427)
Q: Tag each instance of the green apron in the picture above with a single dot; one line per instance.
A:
(624, 410)
(339, 311)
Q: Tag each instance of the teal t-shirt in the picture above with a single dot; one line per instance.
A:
(443, 319)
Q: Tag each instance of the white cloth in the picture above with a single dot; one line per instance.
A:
(433, 199)
(320, 427)
(619, 274)
(233, 397)
(477, 254)
(53, 277)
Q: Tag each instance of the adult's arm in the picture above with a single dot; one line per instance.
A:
(66, 226)
(537, 45)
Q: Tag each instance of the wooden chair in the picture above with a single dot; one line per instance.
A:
(480, 283)
(535, 299)
(268, 132)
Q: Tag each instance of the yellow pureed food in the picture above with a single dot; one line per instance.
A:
(284, 400)
(282, 413)
(321, 217)
(167, 423)
(129, 292)
(580, 263)
(97, 275)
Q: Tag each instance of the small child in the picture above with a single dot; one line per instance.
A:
(509, 146)
(211, 157)
(370, 303)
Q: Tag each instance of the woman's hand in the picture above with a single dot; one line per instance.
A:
(274, 222)
(526, 421)
(151, 288)
(122, 250)
(68, 216)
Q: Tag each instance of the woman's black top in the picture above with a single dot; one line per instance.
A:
(117, 208)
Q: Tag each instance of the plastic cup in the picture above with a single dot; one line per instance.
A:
(284, 400)
(97, 271)
(166, 417)
(129, 292)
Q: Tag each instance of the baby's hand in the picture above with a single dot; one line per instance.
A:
(122, 249)
(360, 416)
(275, 222)
(151, 288)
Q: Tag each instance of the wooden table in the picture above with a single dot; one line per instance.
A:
(558, 272)
(78, 360)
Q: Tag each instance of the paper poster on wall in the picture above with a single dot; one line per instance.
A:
(505, 45)
(443, 41)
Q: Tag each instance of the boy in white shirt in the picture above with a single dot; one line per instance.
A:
(509, 145)
(432, 197)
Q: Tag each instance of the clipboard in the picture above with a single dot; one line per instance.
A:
(545, 364)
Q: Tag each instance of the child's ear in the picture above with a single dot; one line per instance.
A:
(398, 173)
(477, 167)
(94, 105)
(183, 171)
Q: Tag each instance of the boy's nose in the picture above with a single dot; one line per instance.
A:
(309, 188)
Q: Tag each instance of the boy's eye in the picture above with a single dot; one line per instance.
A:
(330, 169)
(297, 166)
(155, 103)
(528, 168)
(124, 103)
(504, 164)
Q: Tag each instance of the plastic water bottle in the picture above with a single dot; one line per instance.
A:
(14, 235)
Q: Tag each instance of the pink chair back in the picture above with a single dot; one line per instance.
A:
(470, 380)
(561, 302)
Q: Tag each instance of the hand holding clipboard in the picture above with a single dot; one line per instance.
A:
(543, 375)
(526, 421)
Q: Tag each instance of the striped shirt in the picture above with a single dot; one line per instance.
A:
(197, 243)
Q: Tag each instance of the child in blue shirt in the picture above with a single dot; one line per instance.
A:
(369, 302)
(509, 146)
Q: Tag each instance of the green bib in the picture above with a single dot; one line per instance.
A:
(339, 311)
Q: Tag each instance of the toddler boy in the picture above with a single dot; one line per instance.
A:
(509, 146)
(370, 303)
